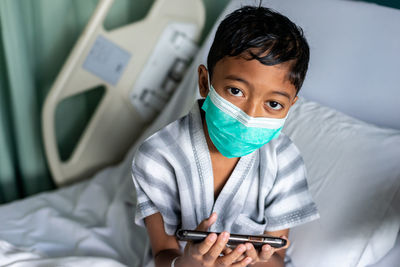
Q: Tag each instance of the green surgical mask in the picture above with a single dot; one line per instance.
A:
(232, 131)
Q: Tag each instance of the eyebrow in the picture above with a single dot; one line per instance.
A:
(282, 93)
(236, 78)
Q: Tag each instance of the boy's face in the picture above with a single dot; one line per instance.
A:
(257, 89)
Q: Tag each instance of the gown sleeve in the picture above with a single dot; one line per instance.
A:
(156, 187)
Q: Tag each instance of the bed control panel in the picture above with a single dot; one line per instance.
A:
(165, 69)
(106, 60)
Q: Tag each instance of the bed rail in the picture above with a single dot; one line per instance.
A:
(139, 64)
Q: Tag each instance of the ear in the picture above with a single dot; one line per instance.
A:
(203, 80)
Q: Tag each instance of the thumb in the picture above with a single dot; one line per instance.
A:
(206, 223)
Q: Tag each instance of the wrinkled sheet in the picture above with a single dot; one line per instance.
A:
(87, 220)
(17, 257)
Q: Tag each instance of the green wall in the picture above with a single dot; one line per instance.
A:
(388, 3)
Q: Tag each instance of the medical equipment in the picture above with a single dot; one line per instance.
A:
(139, 64)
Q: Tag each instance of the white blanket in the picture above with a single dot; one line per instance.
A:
(18, 257)
(88, 220)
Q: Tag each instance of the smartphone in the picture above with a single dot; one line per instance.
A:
(234, 239)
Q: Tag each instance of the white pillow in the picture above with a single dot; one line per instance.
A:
(354, 175)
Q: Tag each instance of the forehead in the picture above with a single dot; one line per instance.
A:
(254, 72)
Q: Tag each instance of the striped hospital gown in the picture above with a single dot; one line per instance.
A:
(172, 172)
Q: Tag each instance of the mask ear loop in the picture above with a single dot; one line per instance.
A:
(209, 81)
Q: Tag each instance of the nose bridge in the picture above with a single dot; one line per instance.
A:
(252, 108)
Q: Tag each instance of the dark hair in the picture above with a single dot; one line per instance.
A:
(263, 34)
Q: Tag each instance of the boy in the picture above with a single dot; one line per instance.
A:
(225, 167)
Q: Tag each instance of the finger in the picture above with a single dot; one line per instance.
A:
(227, 250)
(214, 252)
(241, 257)
(246, 261)
(251, 251)
(205, 224)
(287, 242)
(266, 253)
(236, 255)
(203, 247)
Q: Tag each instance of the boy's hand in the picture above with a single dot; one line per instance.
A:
(207, 253)
(265, 253)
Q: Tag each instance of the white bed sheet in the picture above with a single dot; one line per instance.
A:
(392, 258)
(87, 220)
(16, 257)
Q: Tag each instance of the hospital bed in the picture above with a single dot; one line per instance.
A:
(346, 124)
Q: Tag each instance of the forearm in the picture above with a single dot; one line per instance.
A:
(165, 257)
(274, 261)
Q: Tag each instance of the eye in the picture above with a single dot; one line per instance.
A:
(274, 105)
(235, 91)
